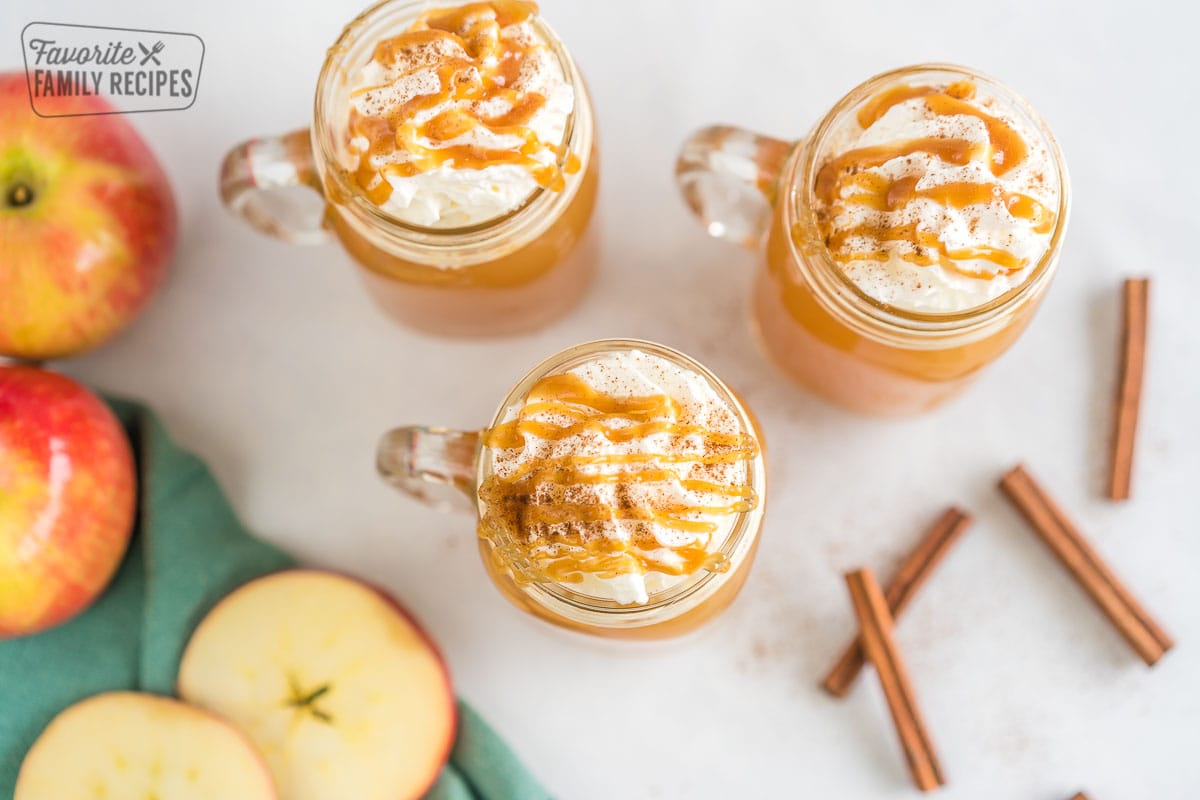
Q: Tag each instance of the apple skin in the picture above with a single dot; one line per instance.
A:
(87, 224)
(67, 498)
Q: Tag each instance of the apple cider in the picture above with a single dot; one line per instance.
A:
(619, 489)
(670, 625)
(850, 366)
(454, 150)
(470, 134)
(909, 239)
(522, 288)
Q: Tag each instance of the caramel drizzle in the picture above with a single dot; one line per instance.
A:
(1005, 149)
(486, 75)
(881, 103)
(540, 507)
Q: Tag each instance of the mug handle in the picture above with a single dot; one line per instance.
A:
(257, 182)
(434, 465)
(728, 177)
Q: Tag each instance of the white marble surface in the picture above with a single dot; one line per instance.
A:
(270, 363)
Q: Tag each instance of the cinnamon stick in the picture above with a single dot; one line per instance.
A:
(875, 624)
(1066, 542)
(908, 579)
(1129, 388)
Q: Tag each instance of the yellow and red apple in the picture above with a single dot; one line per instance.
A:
(332, 680)
(87, 224)
(67, 498)
(134, 745)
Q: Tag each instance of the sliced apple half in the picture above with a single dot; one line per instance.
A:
(131, 745)
(332, 680)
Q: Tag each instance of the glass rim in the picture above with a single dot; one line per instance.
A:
(742, 532)
(331, 169)
(803, 171)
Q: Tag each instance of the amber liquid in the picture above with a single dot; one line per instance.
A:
(478, 69)
(854, 370)
(513, 292)
(677, 625)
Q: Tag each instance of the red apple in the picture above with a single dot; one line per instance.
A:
(87, 224)
(340, 690)
(133, 745)
(67, 497)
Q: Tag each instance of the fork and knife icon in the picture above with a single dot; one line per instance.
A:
(151, 53)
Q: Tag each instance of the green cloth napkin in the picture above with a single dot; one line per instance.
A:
(188, 551)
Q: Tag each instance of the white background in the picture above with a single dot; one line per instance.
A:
(270, 362)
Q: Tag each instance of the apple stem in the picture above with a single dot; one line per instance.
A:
(22, 362)
(21, 194)
(303, 701)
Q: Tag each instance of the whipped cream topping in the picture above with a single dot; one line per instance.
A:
(938, 198)
(460, 118)
(621, 477)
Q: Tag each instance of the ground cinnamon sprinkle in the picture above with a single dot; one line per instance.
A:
(594, 476)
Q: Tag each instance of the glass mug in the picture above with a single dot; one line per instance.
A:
(447, 469)
(814, 321)
(512, 273)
